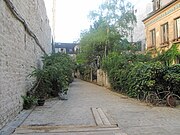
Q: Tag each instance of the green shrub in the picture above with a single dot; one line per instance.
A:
(168, 57)
(171, 78)
(55, 75)
(143, 76)
(132, 73)
(28, 101)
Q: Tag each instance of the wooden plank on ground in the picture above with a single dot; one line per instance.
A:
(97, 117)
(103, 117)
(62, 129)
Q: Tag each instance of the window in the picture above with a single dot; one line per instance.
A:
(157, 4)
(177, 28)
(70, 50)
(63, 50)
(153, 38)
(164, 33)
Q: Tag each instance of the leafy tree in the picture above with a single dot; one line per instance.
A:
(110, 25)
(116, 13)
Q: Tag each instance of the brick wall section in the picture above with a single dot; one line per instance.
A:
(19, 51)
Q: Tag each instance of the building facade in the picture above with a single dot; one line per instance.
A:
(138, 31)
(68, 48)
(25, 36)
(162, 26)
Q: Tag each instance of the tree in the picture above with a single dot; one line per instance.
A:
(110, 26)
(116, 13)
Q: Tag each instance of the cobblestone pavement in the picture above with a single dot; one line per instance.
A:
(132, 117)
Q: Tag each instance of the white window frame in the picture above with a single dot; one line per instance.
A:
(165, 33)
(177, 28)
(153, 38)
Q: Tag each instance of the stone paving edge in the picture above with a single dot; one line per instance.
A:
(11, 126)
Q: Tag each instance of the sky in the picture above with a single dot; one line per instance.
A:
(71, 17)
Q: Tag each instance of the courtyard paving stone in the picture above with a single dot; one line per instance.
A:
(132, 116)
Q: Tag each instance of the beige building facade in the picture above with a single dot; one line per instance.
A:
(162, 26)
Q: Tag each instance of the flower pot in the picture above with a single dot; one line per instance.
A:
(63, 96)
(27, 106)
(40, 102)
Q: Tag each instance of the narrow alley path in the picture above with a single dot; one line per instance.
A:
(75, 116)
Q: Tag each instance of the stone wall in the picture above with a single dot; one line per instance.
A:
(102, 79)
(19, 52)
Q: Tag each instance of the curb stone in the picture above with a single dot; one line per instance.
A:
(10, 127)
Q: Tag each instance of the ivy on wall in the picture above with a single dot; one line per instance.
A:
(170, 56)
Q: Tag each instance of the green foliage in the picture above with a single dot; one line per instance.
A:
(170, 55)
(143, 76)
(28, 101)
(60, 67)
(110, 25)
(154, 77)
(171, 78)
(116, 13)
(131, 73)
(43, 84)
(118, 66)
(55, 75)
(128, 71)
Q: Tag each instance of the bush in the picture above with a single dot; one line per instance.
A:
(132, 73)
(171, 78)
(143, 77)
(28, 101)
(55, 75)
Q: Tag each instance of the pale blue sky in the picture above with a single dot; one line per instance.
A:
(71, 16)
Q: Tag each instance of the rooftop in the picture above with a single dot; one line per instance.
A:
(160, 9)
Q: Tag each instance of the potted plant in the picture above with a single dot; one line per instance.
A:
(64, 90)
(28, 101)
(63, 94)
(42, 91)
(54, 77)
(42, 85)
(40, 101)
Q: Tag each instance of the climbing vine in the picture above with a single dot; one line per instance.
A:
(170, 56)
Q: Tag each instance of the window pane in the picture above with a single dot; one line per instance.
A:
(164, 31)
(178, 27)
(153, 37)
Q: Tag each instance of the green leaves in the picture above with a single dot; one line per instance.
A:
(117, 13)
(131, 73)
(170, 55)
(110, 25)
(55, 75)
(28, 101)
